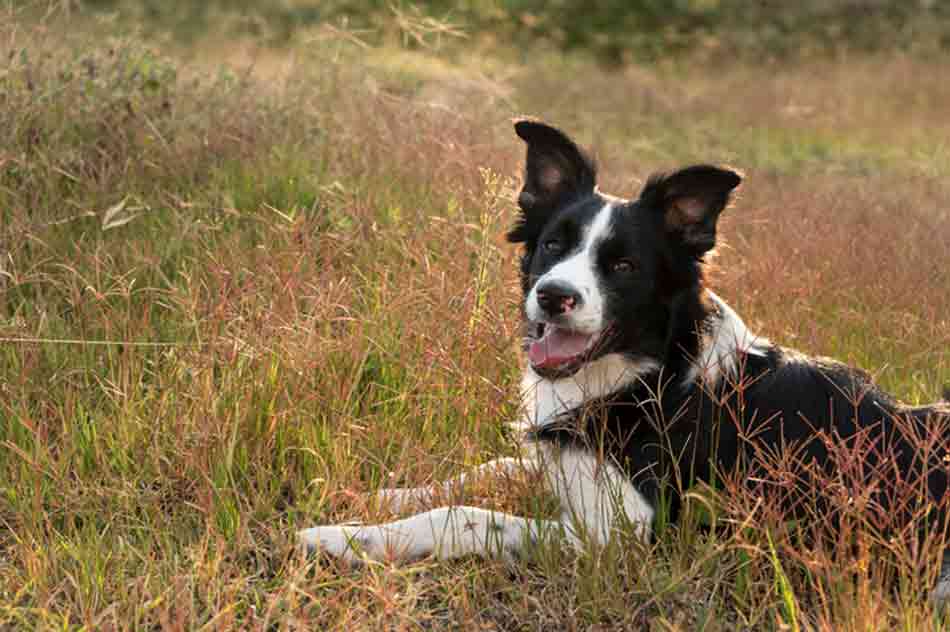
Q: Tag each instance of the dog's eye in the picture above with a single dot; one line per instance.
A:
(552, 246)
(623, 266)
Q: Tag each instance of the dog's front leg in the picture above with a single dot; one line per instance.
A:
(596, 497)
(444, 533)
(401, 498)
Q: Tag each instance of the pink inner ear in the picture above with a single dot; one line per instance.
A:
(689, 209)
(550, 178)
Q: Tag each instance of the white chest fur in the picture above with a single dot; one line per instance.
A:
(543, 400)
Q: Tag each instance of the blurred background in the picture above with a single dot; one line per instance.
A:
(616, 31)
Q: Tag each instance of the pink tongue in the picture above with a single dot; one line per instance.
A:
(557, 347)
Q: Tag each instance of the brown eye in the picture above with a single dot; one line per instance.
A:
(552, 246)
(623, 266)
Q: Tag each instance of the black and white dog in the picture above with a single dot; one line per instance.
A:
(641, 381)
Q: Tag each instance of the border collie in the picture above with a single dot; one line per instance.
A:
(641, 381)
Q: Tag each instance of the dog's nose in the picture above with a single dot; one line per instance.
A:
(556, 298)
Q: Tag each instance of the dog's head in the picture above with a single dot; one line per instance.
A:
(600, 274)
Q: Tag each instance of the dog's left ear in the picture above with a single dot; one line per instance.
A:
(691, 200)
(556, 171)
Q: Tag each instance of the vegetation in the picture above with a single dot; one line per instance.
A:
(613, 30)
(243, 286)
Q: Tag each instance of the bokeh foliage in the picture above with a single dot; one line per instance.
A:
(613, 30)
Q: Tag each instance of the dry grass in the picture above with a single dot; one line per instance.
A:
(319, 252)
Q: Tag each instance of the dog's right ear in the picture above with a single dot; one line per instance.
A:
(556, 170)
(691, 201)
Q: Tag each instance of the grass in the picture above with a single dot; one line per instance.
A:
(236, 298)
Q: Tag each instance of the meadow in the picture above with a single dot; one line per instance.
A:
(244, 285)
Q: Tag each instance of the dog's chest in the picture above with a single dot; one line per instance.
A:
(545, 400)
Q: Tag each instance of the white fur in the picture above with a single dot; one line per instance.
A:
(543, 399)
(579, 271)
(596, 496)
(718, 356)
(402, 498)
(444, 533)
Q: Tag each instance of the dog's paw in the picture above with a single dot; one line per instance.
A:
(342, 542)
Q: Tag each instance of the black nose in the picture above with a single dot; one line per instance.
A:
(556, 297)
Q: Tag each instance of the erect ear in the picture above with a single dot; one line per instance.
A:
(691, 200)
(556, 169)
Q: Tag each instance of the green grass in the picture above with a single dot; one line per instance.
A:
(236, 300)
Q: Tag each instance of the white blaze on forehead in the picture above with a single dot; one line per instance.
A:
(580, 271)
(599, 229)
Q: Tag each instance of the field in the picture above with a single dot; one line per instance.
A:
(243, 285)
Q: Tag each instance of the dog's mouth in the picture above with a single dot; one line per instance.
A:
(555, 351)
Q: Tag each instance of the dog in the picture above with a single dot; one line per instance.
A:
(641, 381)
